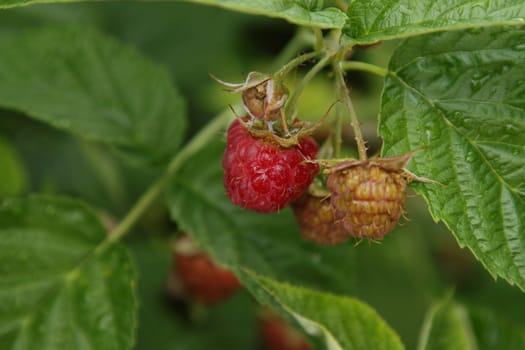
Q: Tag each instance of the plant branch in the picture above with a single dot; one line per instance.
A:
(361, 147)
(199, 141)
(291, 105)
(299, 41)
(281, 73)
(365, 67)
(338, 132)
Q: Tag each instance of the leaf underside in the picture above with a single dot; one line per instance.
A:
(343, 323)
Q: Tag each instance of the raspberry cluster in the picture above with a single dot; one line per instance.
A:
(269, 163)
(366, 200)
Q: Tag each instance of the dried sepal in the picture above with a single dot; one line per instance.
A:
(263, 95)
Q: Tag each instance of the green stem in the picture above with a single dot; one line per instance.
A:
(338, 133)
(342, 5)
(365, 67)
(291, 105)
(281, 73)
(318, 39)
(199, 141)
(299, 41)
(361, 147)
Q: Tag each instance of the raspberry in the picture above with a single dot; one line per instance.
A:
(199, 278)
(316, 218)
(368, 197)
(261, 175)
(277, 335)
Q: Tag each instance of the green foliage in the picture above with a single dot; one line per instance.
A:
(343, 323)
(371, 21)
(90, 87)
(457, 97)
(302, 12)
(13, 177)
(460, 97)
(453, 326)
(60, 287)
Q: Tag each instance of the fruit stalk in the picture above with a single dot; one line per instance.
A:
(364, 67)
(345, 94)
(291, 105)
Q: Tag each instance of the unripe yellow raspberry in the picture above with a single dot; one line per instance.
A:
(368, 198)
(316, 218)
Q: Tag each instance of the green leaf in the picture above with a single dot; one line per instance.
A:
(302, 12)
(450, 325)
(57, 291)
(447, 327)
(371, 21)
(13, 176)
(460, 98)
(344, 323)
(494, 332)
(94, 87)
(268, 244)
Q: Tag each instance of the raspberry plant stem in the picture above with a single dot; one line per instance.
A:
(365, 67)
(342, 5)
(318, 38)
(291, 105)
(200, 140)
(296, 62)
(361, 147)
(338, 132)
(302, 38)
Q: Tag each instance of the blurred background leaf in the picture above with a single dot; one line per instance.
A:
(13, 177)
(89, 87)
(58, 290)
(450, 325)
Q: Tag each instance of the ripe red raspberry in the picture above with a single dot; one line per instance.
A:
(316, 218)
(368, 197)
(263, 176)
(199, 278)
(277, 335)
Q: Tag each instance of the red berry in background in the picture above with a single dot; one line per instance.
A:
(277, 335)
(261, 175)
(316, 219)
(198, 277)
(368, 198)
